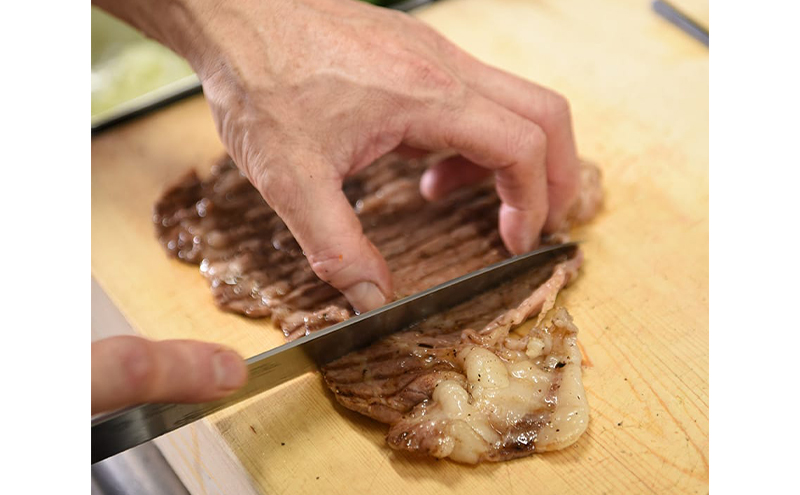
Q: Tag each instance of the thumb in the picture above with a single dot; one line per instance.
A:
(130, 370)
(323, 222)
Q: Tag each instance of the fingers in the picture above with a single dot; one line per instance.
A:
(497, 139)
(131, 370)
(446, 176)
(326, 227)
(549, 111)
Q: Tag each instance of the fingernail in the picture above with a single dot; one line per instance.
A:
(517, 230)
(365, 296)
(427, 185)
(524, 242)
(229, 370)
(529, 242)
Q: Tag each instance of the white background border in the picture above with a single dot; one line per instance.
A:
(46, 245)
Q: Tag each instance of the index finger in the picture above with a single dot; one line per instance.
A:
(129, 370)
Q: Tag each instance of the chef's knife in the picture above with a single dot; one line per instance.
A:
(118, 431)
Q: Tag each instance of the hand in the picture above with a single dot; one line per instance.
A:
(307, 92)
(132, 370)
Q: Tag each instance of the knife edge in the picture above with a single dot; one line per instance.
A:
(120, 430)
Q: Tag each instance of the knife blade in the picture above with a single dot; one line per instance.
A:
(115, 432)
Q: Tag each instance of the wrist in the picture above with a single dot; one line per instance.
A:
(181, 25)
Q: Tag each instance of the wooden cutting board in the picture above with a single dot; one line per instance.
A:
(639, 93)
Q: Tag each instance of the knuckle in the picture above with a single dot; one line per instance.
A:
(276, 186)
(429, 74)
(556, 108)
(527, 139)
(330, 263)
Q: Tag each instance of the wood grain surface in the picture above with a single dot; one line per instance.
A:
(639, 94)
